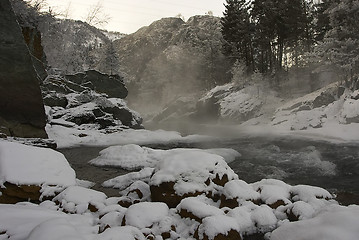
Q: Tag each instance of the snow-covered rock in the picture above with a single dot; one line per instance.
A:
(188, 173)
(88, 98)
(32, 172)
(333, 222)
(318, 109)
(133, 156)
(76, 199)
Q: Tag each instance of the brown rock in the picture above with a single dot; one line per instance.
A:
(231, 203)
(166, 194)
(276, 204)
(186, 214)
(231, 235)
(12, 193)
(221, 181)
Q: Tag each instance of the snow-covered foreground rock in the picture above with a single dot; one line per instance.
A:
(32, 173)
(188, 194)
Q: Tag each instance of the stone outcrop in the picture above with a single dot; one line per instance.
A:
(112, 85)
(22, 111)
(83, 99)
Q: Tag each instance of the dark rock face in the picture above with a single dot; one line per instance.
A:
(32, 38)
(112, 85)
(21, 107)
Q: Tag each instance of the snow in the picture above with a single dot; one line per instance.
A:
(334, 222)
(219, 224)
(243, 217)
(272, 190)
(198, 207)
(126, 233)
(133, 156)
(264, 218)
(350, 109)
(189, 170)
(29, 221)
(89, 136)
(241, 190)
(123, 181)
(306, 193)
(79, 195)
(76, 199)
(145, 214)
(27, 165)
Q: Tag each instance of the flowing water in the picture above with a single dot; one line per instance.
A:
(295, 161)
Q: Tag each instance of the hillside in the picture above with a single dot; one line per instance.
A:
(172, 58)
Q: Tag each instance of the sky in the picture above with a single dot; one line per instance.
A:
(127, 16)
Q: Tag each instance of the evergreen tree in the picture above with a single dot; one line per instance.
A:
(340, 45)
(237, 32)
(322, 16)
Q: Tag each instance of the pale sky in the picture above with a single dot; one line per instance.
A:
(127, 16)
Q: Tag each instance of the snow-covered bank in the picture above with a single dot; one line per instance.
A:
(71, 137)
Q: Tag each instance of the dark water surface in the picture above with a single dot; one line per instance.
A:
(296, 161)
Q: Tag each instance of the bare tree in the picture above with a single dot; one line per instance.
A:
(96, 15)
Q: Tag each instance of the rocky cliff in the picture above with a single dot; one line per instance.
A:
(172, 58)
(21, 108)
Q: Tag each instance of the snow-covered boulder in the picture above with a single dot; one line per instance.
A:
(33, 173)
(333, 222)
(76, 199)
(29, 221)
(236, 192)
(188, 173)
(132, 156)
(198, 208)
(218, 227)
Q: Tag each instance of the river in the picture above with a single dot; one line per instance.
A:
(332, 166)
